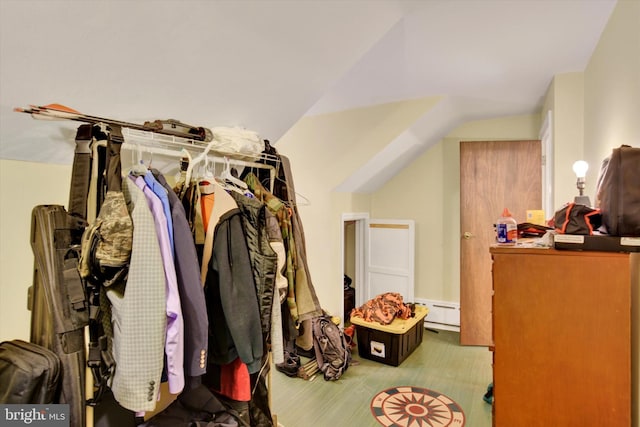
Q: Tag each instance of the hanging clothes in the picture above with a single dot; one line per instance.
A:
(265, 263)
(232, 304)
(174, 343)
(139, 314)
(235, 278)
(280, 211)
(306, 298)
(307, 303)
(194, 310)
(263, 258)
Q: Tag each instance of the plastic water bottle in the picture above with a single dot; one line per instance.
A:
(506, 229)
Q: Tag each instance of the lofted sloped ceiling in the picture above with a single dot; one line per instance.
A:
(265, 64)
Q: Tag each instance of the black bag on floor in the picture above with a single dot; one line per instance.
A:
(618, 192)
(29, 373)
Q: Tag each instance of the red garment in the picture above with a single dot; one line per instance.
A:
(235, 382)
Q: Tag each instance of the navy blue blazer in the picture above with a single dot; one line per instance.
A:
(192, 300)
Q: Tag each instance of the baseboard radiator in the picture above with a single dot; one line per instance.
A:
(442, 315)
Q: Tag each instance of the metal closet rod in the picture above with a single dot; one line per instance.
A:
(151, 139)
(137, 145)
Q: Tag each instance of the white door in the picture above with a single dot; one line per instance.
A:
(390, 258)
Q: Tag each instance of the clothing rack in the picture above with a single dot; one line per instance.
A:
(165, 150)
(168, 148)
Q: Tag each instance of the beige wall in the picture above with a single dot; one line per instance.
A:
(324, 150)
(23, 185)
(428, 191)
(565, 100)
(612, 88)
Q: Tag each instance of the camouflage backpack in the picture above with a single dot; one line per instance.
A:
(333, 354)
(106, 244)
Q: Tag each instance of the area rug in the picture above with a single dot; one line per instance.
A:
(415, 407)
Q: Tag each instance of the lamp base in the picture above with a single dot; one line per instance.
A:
(582, 200)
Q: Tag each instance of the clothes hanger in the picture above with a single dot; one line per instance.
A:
(187, 154)
(182, 170)
(208, 174)
(197, 160)
(227, 176)
(306, 201)
(138, 168)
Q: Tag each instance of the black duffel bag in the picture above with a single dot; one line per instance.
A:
(29, 373)
(618, 192)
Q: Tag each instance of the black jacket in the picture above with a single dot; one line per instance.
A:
(230, 292)
(263, 258)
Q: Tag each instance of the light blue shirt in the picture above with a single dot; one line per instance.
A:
(161, 192)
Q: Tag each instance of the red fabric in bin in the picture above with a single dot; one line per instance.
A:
(383, 309)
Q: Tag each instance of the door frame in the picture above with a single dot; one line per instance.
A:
(546, 140)
(361, 220)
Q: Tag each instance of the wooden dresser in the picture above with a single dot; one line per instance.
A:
(562, 338)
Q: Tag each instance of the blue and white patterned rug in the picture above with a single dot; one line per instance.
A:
(415, 407)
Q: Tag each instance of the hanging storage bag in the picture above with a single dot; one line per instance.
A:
(618, 192)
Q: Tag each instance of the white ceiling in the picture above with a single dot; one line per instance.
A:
(265, 64)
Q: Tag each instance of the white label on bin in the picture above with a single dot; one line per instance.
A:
(377, 349)
(630, 241)
(569, 238)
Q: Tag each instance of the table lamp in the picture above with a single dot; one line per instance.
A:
(580, 169)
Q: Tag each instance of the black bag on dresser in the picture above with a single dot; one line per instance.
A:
(618, 192)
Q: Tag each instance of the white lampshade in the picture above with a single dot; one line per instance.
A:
(580, 168)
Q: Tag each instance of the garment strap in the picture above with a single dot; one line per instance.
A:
(81, 172)
(114, 167)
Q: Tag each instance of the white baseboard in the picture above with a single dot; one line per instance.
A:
(442, 315)
(441, 327)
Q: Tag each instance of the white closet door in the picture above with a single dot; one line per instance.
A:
(390, 258)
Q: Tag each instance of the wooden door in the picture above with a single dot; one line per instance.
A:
(390, 258)
(493, 175)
